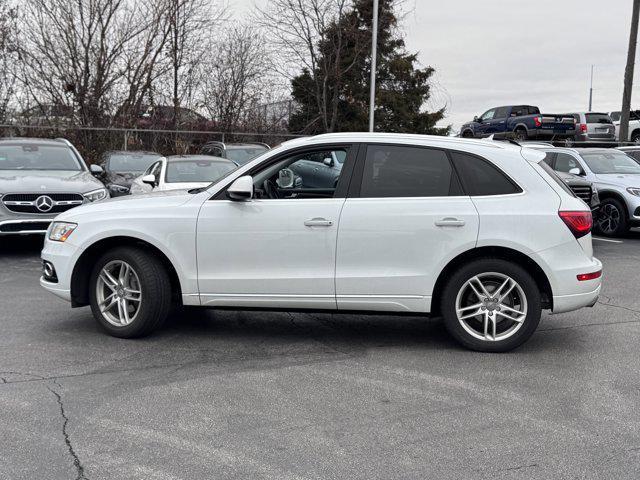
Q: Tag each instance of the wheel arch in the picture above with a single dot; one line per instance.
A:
(503, 253)
(82, 269)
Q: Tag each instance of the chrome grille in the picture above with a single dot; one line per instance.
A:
(582, 192)
(53, 202)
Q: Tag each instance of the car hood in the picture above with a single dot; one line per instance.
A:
(622, 179)
(19, 181)
(114, 207)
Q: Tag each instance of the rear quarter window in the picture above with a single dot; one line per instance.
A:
(480, 177)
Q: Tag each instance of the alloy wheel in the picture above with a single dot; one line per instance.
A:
(609, 219)
(491, 306)
(118, 293)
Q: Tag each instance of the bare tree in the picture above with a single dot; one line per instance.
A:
(73, 51)
(238, 77)
(8, 55)
(189, 22)
(298, 29)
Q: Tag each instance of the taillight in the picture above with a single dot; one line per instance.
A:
(538, 121)
(582, 127)
(583, 277)
(579, 223)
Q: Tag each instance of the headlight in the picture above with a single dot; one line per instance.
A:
(634, 191)
(96, 195)
(60, 231)
(118, 188)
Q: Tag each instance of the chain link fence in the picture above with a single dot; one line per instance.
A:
(92, 142)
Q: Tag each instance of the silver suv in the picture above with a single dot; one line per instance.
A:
(594, 126)
(40, 179)
(615, 175)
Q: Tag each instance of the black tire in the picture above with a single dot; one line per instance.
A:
(635, 136)
(612, 219)
(485, 266)
(520, 135)
(155, 288)
(467, 134)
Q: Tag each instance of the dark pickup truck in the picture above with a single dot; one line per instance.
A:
(520, 122)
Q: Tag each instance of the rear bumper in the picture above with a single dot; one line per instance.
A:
(539, 134)
(568, 303)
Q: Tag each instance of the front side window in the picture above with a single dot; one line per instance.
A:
(480, 177)
(501, 112)
(611, 162)
(38, 157)
(488, 115)
(399, 171)
(303, 175)
(566, 162)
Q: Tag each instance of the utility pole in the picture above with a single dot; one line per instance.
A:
(374, 55)
(591, 91)
(628, 74)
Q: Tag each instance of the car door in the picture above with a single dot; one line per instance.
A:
(405, 218)
(499, 121)
(277, 249)
(482, 128)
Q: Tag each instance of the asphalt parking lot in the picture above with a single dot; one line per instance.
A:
(307, 396)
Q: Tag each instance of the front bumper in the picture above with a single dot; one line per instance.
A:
(24, 226)
(63, 257)
(64, 293)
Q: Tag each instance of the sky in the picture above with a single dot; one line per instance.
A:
(501, 52)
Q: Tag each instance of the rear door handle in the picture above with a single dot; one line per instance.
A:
(318, 222)
(449, 222)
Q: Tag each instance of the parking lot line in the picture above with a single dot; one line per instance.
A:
(607, 240)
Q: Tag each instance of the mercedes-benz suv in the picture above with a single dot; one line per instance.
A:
(481, 233)
(40, 179)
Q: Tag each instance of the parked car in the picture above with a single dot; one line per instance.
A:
(162, 117)
(634, 124)
(522, 122)
(487, 244)
(122, 167)
(240, 153)
(592, 126)
(181, 172)
(617, 178)
(41, 178)
(633, 152)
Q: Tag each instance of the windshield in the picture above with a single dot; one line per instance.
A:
(197, 170)
(243, 155)
(131, 162)
(611, 162)
(38, 157)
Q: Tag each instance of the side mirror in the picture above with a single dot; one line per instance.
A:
(241, 189)
(328, 161)
(149, 179)
(477, 119)
(96, 169)
(575, 171)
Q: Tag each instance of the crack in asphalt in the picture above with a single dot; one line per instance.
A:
(520, 467)
(76, 460)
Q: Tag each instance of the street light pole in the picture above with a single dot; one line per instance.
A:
(591, 91)
(628, 74)
(374, 55)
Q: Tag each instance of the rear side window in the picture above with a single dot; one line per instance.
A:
(398, 171)
(480, 177)
(555, 178)
(598, 118)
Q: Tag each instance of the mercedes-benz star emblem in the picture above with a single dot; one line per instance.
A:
(44, 203)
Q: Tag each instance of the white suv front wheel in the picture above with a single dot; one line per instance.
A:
(130, 292)
(491, 305)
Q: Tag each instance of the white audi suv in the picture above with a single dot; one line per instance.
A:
(482, 233)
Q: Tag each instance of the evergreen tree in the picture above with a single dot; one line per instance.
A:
(335, 97)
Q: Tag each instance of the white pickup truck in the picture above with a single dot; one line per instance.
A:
(634, 125)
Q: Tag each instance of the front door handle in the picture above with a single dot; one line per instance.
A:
(318, 222)
(449, 222)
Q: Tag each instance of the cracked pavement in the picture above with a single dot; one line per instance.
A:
(315, 396)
